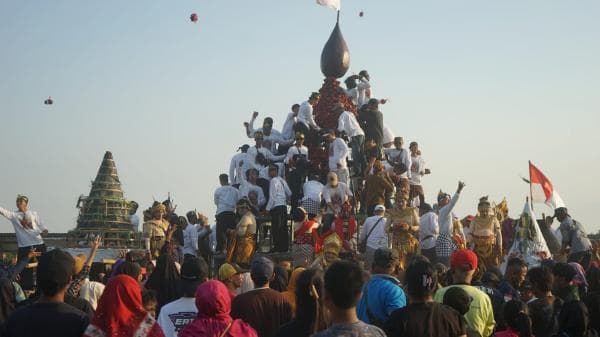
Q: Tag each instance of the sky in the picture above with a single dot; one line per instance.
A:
(483, 86)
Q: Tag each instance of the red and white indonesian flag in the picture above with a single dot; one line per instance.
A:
(335, 4)
(542, 189)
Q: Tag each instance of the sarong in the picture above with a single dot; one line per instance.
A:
(240, 249)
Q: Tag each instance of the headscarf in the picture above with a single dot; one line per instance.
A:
(91, 291)
(8, 299)
(120, 312)
(579, 279)
(165, 280)
(214, 307)
(290, 293)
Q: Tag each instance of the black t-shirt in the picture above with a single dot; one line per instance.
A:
(425, 320)
(372, 123)
(47, 319)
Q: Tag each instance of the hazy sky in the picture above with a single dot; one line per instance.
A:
(483, 86)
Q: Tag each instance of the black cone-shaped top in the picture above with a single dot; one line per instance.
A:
(335, 58)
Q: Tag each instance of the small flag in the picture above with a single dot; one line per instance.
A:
(542, 189)
(335, 4)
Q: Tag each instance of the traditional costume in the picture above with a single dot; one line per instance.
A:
(402, 222)
(305, 238)
(242, 240)
(327, 251)
(528, 243)
(344, 225)
(486, 235)
(154, 230)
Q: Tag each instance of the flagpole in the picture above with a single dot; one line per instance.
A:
(530, 186)
(338, 17)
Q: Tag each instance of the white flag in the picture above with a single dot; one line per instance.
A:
(335, 4)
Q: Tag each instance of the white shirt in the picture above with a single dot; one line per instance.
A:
(347, 122)
(400, 156)
(279, 193)
(378, 238)
(135, 221)
(226, 198)
(26, 237)
(429, 230)
(313, 190)
(190, 240)
(253, 151)
(338, 153)
(417, 170)
(287, 131)
(445, 215)
(305, 115)
(363, 96)
(91, 291)
(177, 315)
(245, 189)
(271, 140)
(353, 94)
(337, 196)
(294, 150)
(236, 173)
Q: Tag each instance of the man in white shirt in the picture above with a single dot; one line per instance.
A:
(134, 219)
(250, 184)
(373, 232)
(225, 198)
(400, 158)
(298, 165)
(279, 194)
(417, 170)
(260, 148)
(237, 163)
(272, 138)
(429, 230)
(335, 194)
(306, 120)
(312, 191)
(29, 231)
(178, 314)
(348, 124)
(338, 156)
(287, 131)
(365, 91)
(190, 238)
(444, 246)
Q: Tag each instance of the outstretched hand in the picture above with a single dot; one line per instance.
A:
(96, 242)
(255, 114)
(461, 185)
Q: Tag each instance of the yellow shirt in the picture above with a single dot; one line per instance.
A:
(480, 316)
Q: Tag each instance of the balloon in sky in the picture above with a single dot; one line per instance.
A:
(194, 17)
(49, 101)
(361, 14)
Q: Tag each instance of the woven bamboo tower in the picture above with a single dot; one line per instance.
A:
(105, 211)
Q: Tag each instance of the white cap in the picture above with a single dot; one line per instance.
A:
(379, 208)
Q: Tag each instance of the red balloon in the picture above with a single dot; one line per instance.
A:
(194, 17)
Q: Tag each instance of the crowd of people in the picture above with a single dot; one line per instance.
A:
(354, 250)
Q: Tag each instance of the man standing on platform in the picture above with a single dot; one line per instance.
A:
(338, 155)
(155, 230)
(348, 124)
(237, 163)
(306, 121)
(225, 198)
(29, 229)
(371, 121)
(279, 194)
(444, 246)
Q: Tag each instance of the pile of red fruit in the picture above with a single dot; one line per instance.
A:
(331, 94)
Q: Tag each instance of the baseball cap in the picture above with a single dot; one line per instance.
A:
(385, 257)
(194, 268)
(464, 260)
(379, 208)
(227, 270)
(55, 266)
(262, 267)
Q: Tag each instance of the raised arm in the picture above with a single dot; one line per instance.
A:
(250, 125)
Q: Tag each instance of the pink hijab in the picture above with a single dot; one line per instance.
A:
(214, 320)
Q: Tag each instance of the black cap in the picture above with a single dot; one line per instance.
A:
(194, 269)
(55, 266)
(458, 299)
(244, 147)
(385, 257)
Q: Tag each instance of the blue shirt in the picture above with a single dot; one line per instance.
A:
(384, 295)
